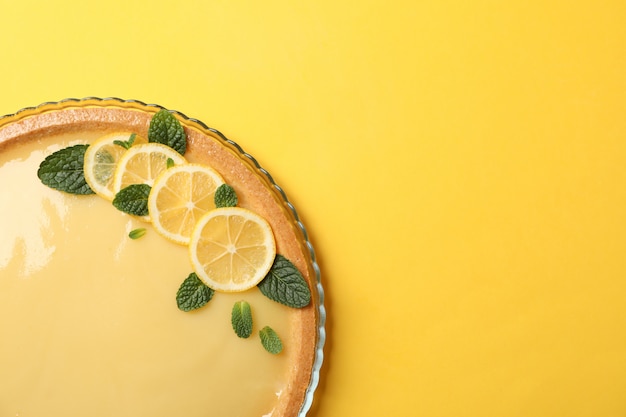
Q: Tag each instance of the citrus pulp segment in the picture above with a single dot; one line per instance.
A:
(141, 164)
(232, 249)
(179, 197)
(101, 159)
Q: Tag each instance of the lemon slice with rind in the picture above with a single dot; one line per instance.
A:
(232, 249)
(141, 164)
(180, 196)
(101, 160)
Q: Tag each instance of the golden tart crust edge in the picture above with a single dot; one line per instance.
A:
(254, 191)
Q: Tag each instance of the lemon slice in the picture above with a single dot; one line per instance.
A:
(101, 160)
(179, 197)
(232, 249)
(141, 164)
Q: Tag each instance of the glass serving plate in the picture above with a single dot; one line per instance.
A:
(12, 125)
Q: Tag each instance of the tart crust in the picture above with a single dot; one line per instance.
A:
(255, 191)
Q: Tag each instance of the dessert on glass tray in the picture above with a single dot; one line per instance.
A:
(149, 266)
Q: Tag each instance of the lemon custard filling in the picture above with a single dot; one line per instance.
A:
(91, 320)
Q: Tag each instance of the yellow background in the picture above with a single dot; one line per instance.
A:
(460, 165)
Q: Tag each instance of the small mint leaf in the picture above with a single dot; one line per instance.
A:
(193, 293)
(270, 340)
(63, 170)
(285, 284)
(133, 199)
(137, 233)
(170, 163)
(241, 319)
(225, 196)
(126, 144)
(166, 129)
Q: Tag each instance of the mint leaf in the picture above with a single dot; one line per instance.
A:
(133, 199)
(193, 293)
(166, 129)
(225, 196)
(126, 144)
(137, 233)
(63, 170)
(270, 340)
(285, 284)
(241, 319)
(170, 163)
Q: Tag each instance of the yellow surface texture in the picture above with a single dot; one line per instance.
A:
(460, 165)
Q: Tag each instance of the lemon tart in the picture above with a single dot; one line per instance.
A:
(88, 293)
